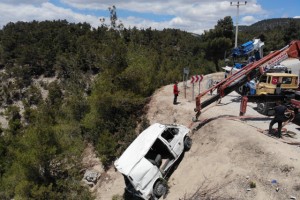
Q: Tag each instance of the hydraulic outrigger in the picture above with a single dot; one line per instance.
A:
(247, 73)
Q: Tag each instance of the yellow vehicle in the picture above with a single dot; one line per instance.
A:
(273, 83)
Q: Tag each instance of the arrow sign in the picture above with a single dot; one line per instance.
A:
(200, 77)
(192, 81)
(197, 78)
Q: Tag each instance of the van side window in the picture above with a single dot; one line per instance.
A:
(169, 134)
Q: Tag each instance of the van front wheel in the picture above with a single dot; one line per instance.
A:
(159, 189)
(187, 143)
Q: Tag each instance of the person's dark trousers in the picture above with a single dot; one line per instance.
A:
(175, 99)
(279, 126)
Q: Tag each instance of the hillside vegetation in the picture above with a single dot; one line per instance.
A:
(64, 85)
(268, 24)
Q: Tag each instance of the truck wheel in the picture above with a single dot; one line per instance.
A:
(187, 143)
(159, 189)
(262, 108)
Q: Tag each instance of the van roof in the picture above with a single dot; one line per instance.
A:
(138, 148)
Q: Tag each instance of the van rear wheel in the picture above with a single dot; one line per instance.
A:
(159, 189)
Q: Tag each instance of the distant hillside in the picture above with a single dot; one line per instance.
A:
(268, 24)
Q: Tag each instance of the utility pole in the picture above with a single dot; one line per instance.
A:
(237, 4)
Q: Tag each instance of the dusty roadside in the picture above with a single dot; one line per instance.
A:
(229, 157)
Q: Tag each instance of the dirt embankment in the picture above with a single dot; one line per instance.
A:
(229, 158)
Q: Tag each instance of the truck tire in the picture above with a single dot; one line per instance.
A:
(262, 108)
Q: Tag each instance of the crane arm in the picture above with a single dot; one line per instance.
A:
(247, 73)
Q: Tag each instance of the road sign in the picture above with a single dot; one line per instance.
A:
(186, 70)
(197, 78)
(201, 78)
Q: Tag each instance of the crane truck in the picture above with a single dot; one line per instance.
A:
(251, 50)
(245, 50)
(253, 70)
(264, 85)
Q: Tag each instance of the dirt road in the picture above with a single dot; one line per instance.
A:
(230, 158)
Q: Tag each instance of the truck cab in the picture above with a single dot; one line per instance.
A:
(272, 83)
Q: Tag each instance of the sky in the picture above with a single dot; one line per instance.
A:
(193, 16)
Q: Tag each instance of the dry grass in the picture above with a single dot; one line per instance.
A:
(207, 191)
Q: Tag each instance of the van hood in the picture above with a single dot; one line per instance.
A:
(142, 173)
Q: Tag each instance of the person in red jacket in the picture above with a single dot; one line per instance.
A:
(176, 92)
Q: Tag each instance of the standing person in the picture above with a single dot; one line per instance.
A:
(278, 88)
(279, 118)
(176, 92)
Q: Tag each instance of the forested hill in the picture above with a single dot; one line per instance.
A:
(64, 85)
(268, 24)
(276, 33)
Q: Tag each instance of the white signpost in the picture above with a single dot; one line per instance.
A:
(195, 79)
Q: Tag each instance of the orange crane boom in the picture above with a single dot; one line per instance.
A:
(247, 73)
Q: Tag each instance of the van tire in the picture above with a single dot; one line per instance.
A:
(159, 189)
(187, 143)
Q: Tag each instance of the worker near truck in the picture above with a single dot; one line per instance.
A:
(278, 88)
(279, 118)
(176, 92)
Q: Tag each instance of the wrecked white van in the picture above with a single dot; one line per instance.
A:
(149, 158)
